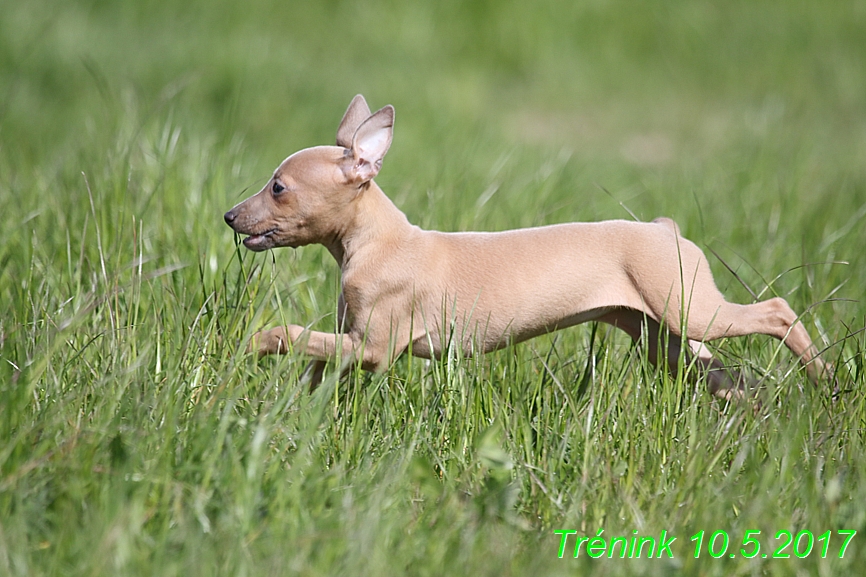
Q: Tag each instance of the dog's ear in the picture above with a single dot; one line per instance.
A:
(357, 113)
(371, 142)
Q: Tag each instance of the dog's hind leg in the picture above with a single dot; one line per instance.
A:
(722, 382)
(314, 371)
(773, 317)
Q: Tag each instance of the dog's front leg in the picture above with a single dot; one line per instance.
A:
(318, 345)
(275, 341)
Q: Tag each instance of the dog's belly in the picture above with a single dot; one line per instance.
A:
(531, 332)
(476, 337)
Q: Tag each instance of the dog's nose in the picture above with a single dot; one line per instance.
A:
(230, 217)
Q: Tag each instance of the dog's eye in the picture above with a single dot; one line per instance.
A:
(277, 188)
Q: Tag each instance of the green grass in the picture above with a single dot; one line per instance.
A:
(136, 437)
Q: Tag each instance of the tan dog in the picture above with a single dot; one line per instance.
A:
(410, 290)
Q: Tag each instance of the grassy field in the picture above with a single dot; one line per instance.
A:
(136, 437)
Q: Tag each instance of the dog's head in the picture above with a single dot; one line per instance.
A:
(310, 196)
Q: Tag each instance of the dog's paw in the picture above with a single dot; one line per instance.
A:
(822, 373)
(269, 342)
(274, 341)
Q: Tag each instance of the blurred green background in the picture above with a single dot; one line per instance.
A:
(127, 129)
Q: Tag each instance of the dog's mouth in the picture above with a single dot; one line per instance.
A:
(260, 242)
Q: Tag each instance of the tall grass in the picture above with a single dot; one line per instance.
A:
(137, 437)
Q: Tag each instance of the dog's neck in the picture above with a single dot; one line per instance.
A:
(372, 219)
